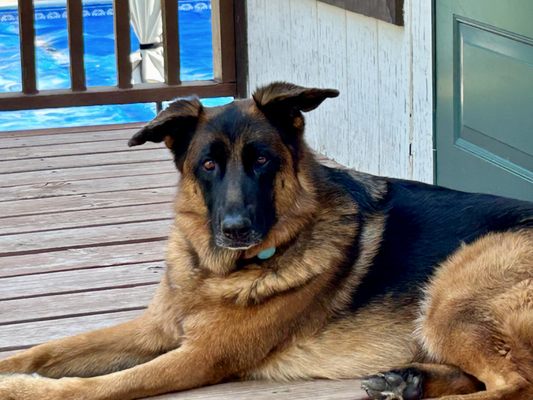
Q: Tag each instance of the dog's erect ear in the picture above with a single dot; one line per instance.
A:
(286, 97)
(175, 125)
(175, 121)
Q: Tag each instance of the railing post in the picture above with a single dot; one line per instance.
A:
(240, 22)
(27, 46)
(122, 42)
(75, 44)
(222, 16)
(169, 13)
(224, 38)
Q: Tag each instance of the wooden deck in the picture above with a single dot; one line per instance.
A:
(83, 225)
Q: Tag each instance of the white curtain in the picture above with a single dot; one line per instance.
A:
(148, 65)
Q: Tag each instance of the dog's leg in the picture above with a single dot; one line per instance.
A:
(93, 353)
(478, 315)
(416, 380)
(189, 366)
(221, 343)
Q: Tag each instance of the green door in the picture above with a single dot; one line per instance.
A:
(484, 96)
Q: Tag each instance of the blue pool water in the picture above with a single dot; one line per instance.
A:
(53, 61)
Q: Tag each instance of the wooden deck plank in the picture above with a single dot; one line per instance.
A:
(83, 237)
(72, 219)
(83, 160)
(348, 389)
(85, 201)
(80, 280)
(64, 149)
(73, 129)
(66, 188)
(85, 173)
(28, 334)
(84, 258)
(51, 137)
(75, 304)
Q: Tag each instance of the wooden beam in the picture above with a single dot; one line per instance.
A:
(76, 45)
(385, 10)
(27, 46)
(169, 13)
(122, 42)
(142, 93)
(222, 16)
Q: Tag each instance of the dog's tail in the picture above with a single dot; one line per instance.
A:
(518, 331)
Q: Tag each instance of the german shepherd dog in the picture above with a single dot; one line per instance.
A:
(281, 268)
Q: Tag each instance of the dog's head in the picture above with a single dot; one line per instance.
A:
(241, 159)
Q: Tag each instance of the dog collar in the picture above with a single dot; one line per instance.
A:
(267, 253)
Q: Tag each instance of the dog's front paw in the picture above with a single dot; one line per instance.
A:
(14, 386)
(242, 288)
(405, 384)
(28, 387)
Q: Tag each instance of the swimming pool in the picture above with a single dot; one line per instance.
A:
(53, 61)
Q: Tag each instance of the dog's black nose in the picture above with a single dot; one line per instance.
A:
(236, 226)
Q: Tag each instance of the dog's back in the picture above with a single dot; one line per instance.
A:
(424, 225)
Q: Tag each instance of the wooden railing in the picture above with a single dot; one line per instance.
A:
(225, 60)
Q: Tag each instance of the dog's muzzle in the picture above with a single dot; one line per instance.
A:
(236, 233)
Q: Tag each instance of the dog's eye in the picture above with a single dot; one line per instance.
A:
(209, 165)
(261, 160)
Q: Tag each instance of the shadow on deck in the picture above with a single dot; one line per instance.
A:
(83, 225)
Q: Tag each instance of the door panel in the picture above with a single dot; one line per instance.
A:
(484, 73)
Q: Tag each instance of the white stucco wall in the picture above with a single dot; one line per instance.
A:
(382, 121)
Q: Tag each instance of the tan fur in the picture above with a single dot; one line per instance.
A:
(478, 312)
(288, 318)
(336, 352)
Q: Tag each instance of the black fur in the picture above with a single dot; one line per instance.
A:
(241, 174)
(424, 225)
